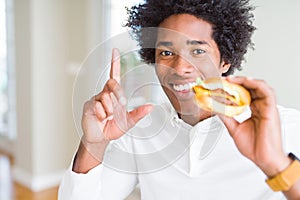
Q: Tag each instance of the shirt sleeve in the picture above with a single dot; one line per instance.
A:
(100, 183)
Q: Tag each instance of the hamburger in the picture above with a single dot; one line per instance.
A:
(220, 96)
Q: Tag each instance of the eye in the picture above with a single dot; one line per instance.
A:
(166, 53)
(198, 51)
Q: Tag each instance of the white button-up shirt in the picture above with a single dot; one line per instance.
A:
(170, 159)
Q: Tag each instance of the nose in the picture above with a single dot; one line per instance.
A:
(182, 66)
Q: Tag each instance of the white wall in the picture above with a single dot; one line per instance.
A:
(53, 38)
(49, 36)
(276, 54)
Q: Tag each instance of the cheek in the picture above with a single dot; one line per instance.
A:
(207, 66)
(160, 71)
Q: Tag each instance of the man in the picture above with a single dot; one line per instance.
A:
(194, 39)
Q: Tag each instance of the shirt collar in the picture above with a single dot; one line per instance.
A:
(205, 125)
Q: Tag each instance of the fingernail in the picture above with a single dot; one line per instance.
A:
(97, 105)
(149, 108)
(110, 117)
(114, 51)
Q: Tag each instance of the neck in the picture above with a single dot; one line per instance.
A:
(194, 119)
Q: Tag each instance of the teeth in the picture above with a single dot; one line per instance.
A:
(186, 86)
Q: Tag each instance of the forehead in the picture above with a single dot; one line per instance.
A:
(184, 27)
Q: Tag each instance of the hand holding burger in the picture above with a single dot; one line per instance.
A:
(257, 138)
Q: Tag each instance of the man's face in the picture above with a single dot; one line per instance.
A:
(184, 51)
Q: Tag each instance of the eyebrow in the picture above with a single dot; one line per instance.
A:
(188, 42)
(164, 43)
(196, 42)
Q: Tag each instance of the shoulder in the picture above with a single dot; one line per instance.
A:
(289, 115)
(290, 125)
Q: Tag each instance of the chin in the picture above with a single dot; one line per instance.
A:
(186, 107)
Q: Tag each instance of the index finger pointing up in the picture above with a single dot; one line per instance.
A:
(115, 65)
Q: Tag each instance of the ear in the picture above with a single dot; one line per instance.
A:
(224, 67)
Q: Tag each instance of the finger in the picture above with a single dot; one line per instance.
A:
(120, 114)
(257, 88)
(102, 106)
(112, 86)
(247, 82)
(115, 65)
(115, 88)
(99, 111)
(230, 123)
(107, 104)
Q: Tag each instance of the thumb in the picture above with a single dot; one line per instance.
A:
(138, 113)
(230, 123)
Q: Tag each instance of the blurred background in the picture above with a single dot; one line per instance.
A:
(43, 45)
